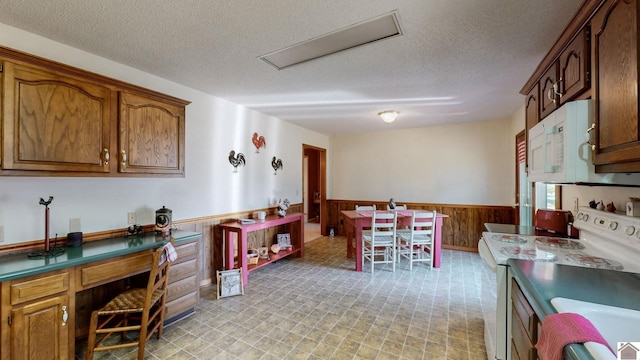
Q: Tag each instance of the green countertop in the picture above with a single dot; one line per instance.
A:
(543, 281)
(13, 266)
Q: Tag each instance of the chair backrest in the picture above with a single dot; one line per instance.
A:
(158, 276)
(366, 207)
(422, 222)
(398, 207)
(384, 223)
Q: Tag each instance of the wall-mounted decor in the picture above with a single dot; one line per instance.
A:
(236, 160)
(276, 164)
(258, 141)
(229, 283)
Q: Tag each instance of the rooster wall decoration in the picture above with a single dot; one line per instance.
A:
(236, 160)
(276, 164)
(258, 141)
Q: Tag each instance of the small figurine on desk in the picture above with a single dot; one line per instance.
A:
(392, 204)
(283, 206)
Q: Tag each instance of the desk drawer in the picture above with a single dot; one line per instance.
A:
(37, 287)
(114, 269)
(187, 251)
(182, 270)
(181, 288)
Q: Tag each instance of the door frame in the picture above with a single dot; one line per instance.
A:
(322, 158)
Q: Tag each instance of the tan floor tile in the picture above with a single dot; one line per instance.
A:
(333, 312)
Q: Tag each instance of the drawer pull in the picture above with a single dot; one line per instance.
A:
(123, 158)
(65, 315)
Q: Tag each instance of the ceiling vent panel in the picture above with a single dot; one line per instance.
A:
(379, 28)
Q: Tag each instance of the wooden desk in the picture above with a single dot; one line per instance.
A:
(355, 222)
(38, 295)
(297, 241)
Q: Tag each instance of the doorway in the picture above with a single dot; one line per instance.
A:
(314, 190)
(524, 199)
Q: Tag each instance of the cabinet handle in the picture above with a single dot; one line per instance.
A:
(106, 156)
(65, 315)
(587, 137)
(556, 87)
(551, 95)
(123, 158)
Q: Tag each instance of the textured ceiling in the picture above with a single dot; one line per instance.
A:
(457, 61)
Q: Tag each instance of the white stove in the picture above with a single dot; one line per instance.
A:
(608, 241)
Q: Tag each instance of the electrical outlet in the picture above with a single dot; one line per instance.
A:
(1, 234)
(74, 225)
(575, 205)
(131, 218)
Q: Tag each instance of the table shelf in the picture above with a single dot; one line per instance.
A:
(295, 225)
(272, 258)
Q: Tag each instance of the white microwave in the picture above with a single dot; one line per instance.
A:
(558, 151)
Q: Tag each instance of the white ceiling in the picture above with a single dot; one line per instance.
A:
(457, 61)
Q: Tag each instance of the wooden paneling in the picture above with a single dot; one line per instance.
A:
(461, 230)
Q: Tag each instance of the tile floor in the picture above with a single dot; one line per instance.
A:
(317, 307)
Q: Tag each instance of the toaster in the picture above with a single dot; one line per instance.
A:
(554, 221)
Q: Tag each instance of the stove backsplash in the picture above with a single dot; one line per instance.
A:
(617, 195)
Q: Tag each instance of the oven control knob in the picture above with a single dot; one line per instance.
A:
(585, 217)
(629, 230)
(579, 216)
(613, 225)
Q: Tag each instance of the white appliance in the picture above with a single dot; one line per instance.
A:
(607, 241)
(559, 151)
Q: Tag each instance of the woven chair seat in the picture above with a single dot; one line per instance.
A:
(130, 301)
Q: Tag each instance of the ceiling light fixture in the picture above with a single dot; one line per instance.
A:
(388, 116)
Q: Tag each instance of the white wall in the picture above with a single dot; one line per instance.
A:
(213, 128)
(469, 163)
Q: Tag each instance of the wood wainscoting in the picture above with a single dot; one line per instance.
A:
(460, 231)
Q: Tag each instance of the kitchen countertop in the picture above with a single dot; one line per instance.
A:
(543, 281)
(13, 266)
(510, 229)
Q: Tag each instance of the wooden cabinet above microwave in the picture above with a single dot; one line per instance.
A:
(62, 121)
(597, 57)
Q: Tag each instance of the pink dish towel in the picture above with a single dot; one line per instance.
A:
(171, 253)
(559, 330)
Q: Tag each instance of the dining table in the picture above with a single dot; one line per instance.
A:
(357, 220)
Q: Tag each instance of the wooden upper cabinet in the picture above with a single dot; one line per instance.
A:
(53, 122)
(615, 86)
(575, 67)
(152, 135)
(56, 120)
(549, 91)
(532, 107)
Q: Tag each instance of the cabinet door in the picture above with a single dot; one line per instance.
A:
(38, 331)
(615, 56)
(549, 90)
(575, 67)
(53, 122)
(532, 107)
(152, 135)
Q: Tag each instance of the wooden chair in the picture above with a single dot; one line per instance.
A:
(144, 307)
(380, 241)
(417, 243)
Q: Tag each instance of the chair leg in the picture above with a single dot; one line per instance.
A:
(91, 341)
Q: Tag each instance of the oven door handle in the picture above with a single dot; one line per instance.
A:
(485, 255)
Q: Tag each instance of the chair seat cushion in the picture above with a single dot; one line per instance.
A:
(380, 240)
(422, 239)
(131, 300)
